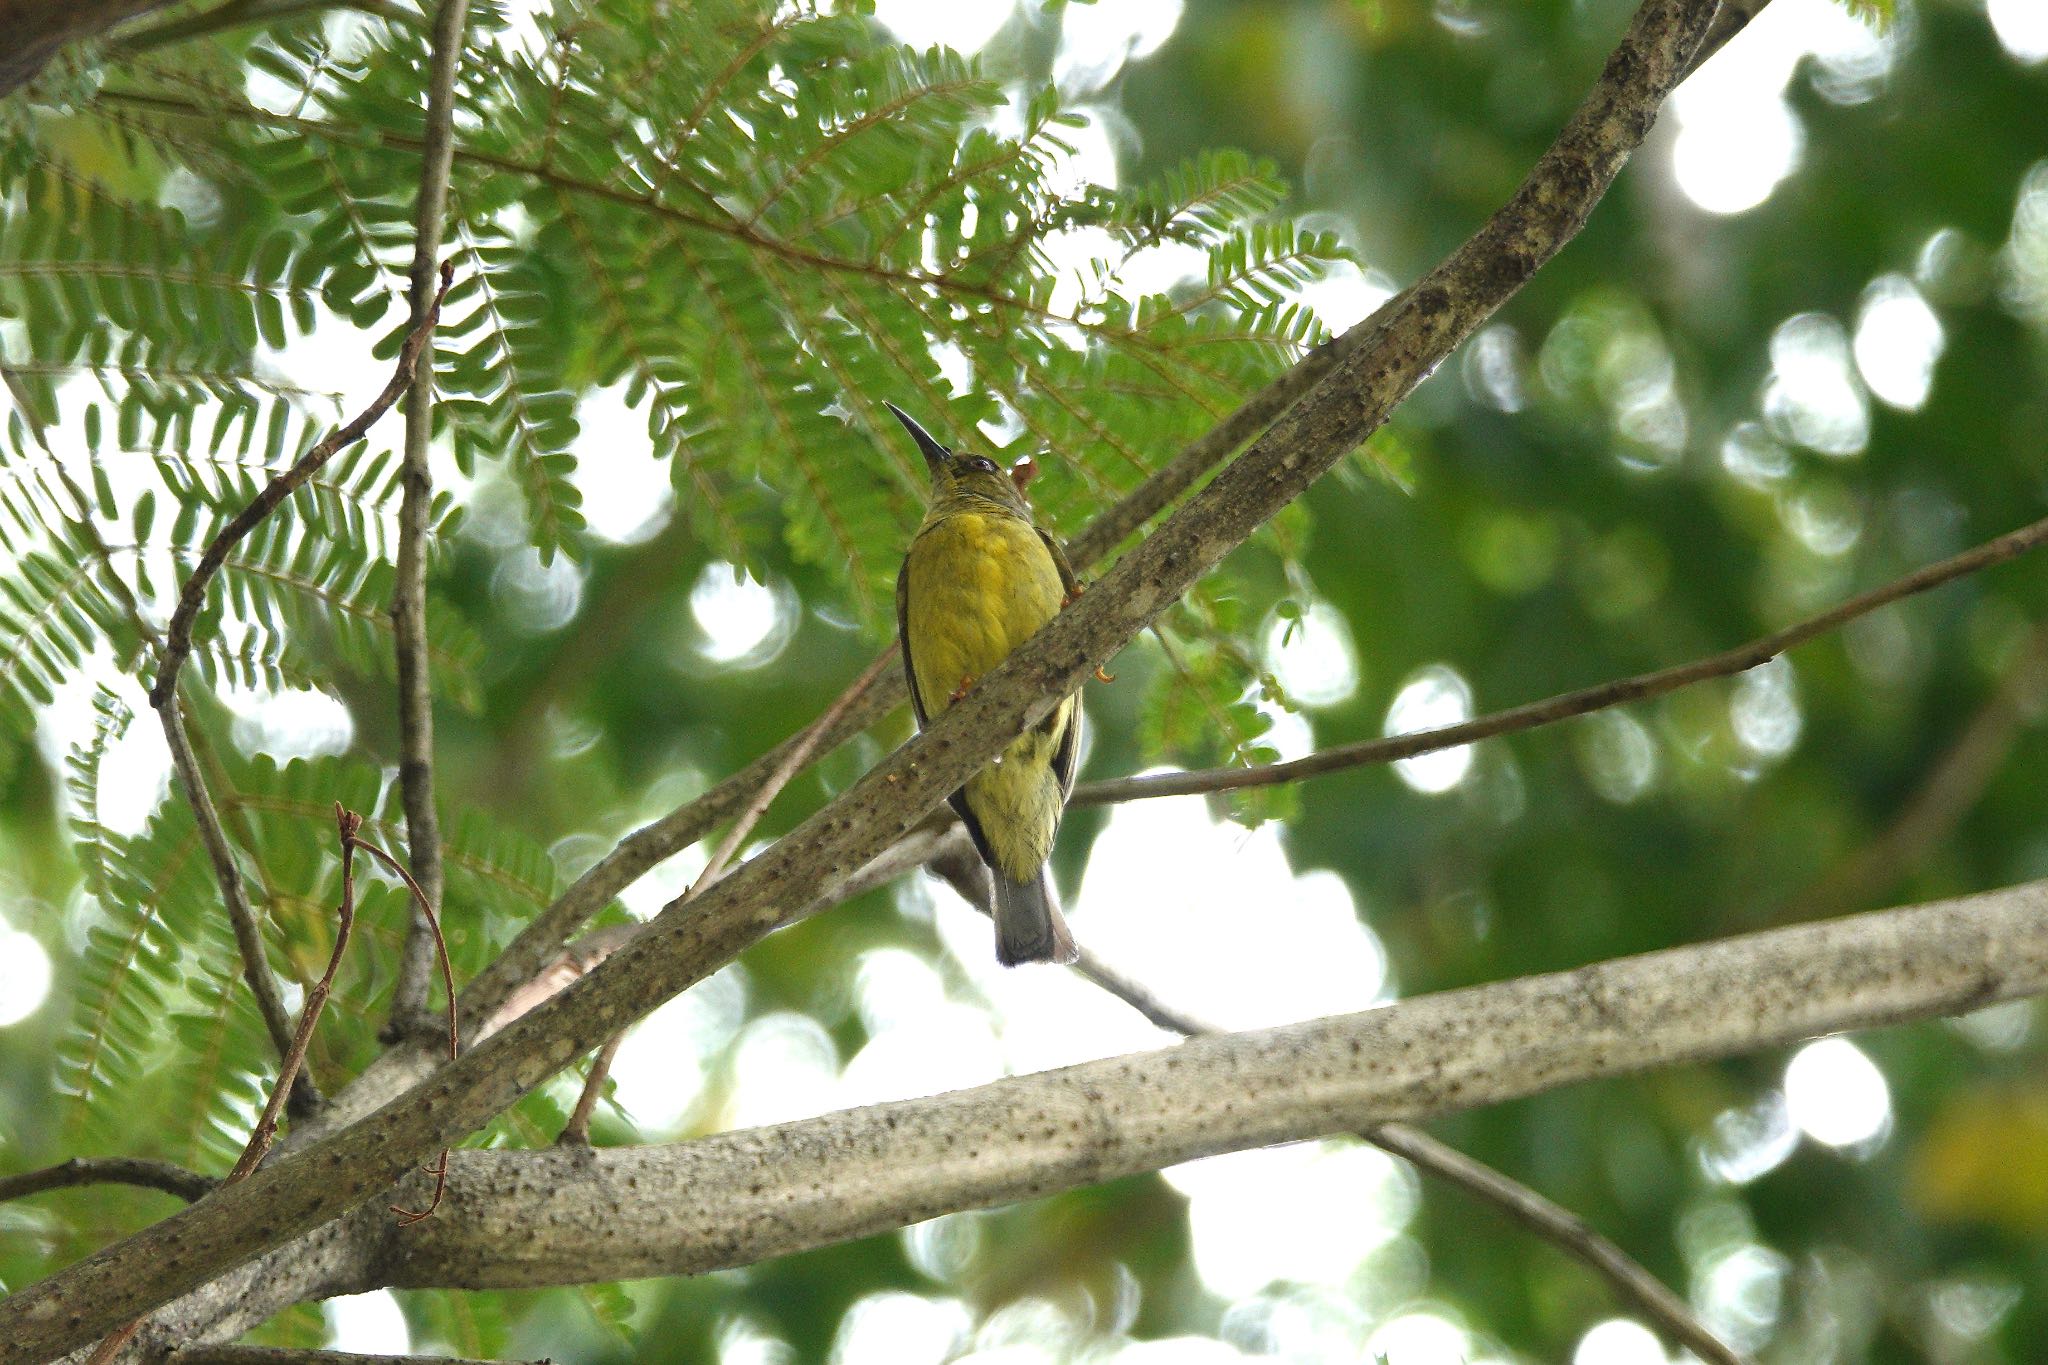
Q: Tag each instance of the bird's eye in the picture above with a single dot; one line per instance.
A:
(980, 464)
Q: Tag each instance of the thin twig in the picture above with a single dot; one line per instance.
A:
(576, 1132)
(439, 1170)
(109, 1170)
(234, 893)
(1567, 705)
(177, 646)
(192, 598)
(1556, 1224)
(792, 763)
(348, 823)
(409, 586)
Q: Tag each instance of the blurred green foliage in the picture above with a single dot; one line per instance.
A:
(1661, 448)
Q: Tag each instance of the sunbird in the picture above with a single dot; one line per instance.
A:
(980, 577)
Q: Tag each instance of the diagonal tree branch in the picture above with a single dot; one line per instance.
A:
(234, 892)
(409, 589)
(1567, 705)
(325, 1179)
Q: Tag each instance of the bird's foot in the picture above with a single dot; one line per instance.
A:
(966, 681)
(1101, 676)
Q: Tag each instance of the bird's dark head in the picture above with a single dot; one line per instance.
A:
(962, 474)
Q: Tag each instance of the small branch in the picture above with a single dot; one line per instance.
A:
(1567, 705)
(1558, 1225)
(282, 1355)
(439, 1170)
(1554, 1223)
(234, 892)
(1730, 19)
(109, 1170)
(178, 637)
(409, 589)
(36, 29)
(577, 1130)
(348, 823)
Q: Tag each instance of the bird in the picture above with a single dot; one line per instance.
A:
(979, 578)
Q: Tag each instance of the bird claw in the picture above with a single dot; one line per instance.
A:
(1101, 676)
(1071, 596)
(966, 681)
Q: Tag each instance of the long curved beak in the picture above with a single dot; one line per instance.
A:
(934, 453)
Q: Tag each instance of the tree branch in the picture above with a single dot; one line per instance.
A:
(192, 597)
(234, 893)
(409, 587)
(737, 1198)
(109, 1170)
(1567, 705)
(577, 1129)
(742, 1197)
(680, 947)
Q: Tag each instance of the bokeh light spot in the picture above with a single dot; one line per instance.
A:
(1836, 1095)
(1898, 339)
(2022, 28)
(1432, 698)
(743, 621)
(24, 976)
(1313, 657)
(371, 1323)
(966, 28)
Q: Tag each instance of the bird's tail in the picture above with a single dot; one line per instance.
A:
(1029, 927)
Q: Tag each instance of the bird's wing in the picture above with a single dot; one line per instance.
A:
(903, 638)
(1063, 757)
(1069, 748)
(1068, 580)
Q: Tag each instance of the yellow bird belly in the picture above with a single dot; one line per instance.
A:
(979, 585)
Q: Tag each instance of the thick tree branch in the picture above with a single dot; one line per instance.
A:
(1567, 705)
(315, 1184)
(109, 1170)
(409, 587)
(737, 1198)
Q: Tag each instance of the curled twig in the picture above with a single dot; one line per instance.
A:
(439, 1170)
